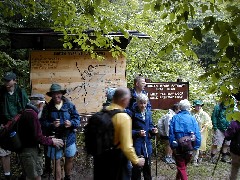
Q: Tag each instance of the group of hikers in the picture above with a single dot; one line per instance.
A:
(183, 131)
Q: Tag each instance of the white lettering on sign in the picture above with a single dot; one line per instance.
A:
(164, 95)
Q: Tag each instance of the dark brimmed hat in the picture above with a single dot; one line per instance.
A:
(9, 76)
(198, 103)
(56, 88)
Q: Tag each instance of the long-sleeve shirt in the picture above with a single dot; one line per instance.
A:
(164, 122)
(30, 132)
(66, 112)
(233, 134)
(123, 133)
(142, 121)
(183, 124)
(11, 104)
(219, 120)
(204, 122)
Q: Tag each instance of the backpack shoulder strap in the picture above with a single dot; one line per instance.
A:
(114, 111)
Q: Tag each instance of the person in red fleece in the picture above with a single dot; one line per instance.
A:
(30, 134)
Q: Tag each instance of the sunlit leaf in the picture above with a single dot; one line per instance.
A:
(188, 36)
(223, 41)
(172, 16)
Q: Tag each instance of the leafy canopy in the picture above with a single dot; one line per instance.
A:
(175, 24)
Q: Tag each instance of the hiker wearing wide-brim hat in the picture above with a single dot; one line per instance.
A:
(197, 103)
(56, 88)
(61, 117)
(204, 122)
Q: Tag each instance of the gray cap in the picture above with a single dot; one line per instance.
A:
(110, 93)
(39, 97)
(9, 76)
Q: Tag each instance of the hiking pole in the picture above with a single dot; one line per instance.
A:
(63, 158)
(55, 157)
(156, 154)
(221, 150)
(55, 164)
(49, 173)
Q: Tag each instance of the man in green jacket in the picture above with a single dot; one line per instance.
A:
(13, 100)
(220, 125)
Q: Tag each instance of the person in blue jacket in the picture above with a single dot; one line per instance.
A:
(139, 86)
(142, 132)
(61, 117)
(183, 125)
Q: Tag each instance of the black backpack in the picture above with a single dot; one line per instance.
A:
(99, 132)
(235, 144)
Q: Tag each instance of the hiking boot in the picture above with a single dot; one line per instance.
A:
(67, 177)
(225, 159)
(199, 160)
(167, 159)
(46, 173)
(8, 177)
(213, 160)
(172, 160)
(195, 162)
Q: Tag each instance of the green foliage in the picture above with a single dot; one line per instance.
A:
(12, 60)
(146, 61)
(20, 67)
(176, 27)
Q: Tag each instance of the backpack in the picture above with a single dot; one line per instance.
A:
(235, 144)
(99, 132)
(161, 127)
(185, 144)
(9, 138)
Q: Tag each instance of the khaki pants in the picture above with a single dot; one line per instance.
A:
(235, 166)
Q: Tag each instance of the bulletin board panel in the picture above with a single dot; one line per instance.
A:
(163, 95)
(84, 78)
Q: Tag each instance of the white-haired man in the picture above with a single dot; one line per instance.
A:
(31, 136)
(184, 127)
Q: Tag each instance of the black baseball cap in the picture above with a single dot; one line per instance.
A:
(9, 76)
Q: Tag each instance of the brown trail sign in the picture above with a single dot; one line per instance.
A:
(163, 95)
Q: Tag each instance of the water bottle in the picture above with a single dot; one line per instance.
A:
(12, 134)
(15, 140)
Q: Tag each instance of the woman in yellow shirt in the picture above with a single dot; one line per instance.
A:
(204, 122)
